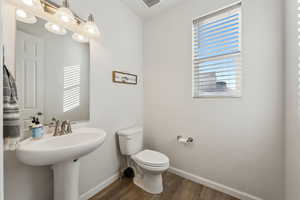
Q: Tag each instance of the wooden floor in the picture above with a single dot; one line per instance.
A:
(175, 188)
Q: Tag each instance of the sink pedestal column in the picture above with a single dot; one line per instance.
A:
(66, 180)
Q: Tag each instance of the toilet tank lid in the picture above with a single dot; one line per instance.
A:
(130, 131)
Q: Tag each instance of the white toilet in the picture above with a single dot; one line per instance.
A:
(150, 163)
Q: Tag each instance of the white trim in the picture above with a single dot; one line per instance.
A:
(211, 184)
(92, 192)
(218, 10)
(232, 8)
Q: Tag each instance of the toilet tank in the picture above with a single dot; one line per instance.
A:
(131, 140)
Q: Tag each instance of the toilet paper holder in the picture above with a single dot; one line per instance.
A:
(183, 140)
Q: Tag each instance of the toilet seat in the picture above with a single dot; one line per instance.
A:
(152, 159)
(153, 169)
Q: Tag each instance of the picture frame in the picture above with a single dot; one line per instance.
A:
(124, 78)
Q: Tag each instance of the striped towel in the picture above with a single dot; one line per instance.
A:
(11, 112)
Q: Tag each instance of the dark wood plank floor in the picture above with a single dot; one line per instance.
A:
(175, 188)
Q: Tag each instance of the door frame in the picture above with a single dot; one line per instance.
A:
(23, 37)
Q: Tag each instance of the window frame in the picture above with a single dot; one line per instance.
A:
(227, 94)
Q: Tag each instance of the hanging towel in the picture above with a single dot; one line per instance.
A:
(11, 112)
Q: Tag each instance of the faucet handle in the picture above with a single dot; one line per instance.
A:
(63, 127)
(69, 127)
(56, 131)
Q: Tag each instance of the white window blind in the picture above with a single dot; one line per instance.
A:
(71, 88)
(217, 54)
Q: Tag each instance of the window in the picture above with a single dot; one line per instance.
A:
(217, 54)
(71, 88)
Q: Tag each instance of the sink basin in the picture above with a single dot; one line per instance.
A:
(63, 153)
(51, 150)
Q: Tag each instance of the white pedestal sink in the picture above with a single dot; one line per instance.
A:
(62, 152)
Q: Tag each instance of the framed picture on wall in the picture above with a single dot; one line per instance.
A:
(124, 78)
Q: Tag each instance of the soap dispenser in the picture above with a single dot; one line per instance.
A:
(37, 128)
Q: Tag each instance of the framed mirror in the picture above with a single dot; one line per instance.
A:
(52, 75)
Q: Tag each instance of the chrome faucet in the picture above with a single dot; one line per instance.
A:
(62, 128)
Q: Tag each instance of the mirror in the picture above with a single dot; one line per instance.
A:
(52, 74)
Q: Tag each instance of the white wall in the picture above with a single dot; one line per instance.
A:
(292, 112)
(238, 141)
(113, 106)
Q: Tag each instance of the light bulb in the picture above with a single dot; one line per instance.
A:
(25, 17)
(80, 38)
(65, 14)
(65, 18)
(21, 13)
(91, 28)
(54, 28)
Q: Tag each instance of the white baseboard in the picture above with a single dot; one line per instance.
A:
(92, 192)
(211, 184)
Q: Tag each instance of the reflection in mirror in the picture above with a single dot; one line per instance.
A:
(52, 74)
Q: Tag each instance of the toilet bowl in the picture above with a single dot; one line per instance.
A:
(150, 164)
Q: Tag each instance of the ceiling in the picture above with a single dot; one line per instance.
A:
(142, 10)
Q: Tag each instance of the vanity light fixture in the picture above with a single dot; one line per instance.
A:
(65, 14)
(80, 38)
(54, 28)
(84, 29)
(91, 27)
(25, 17)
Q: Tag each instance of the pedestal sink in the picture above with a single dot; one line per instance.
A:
(63, 153)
